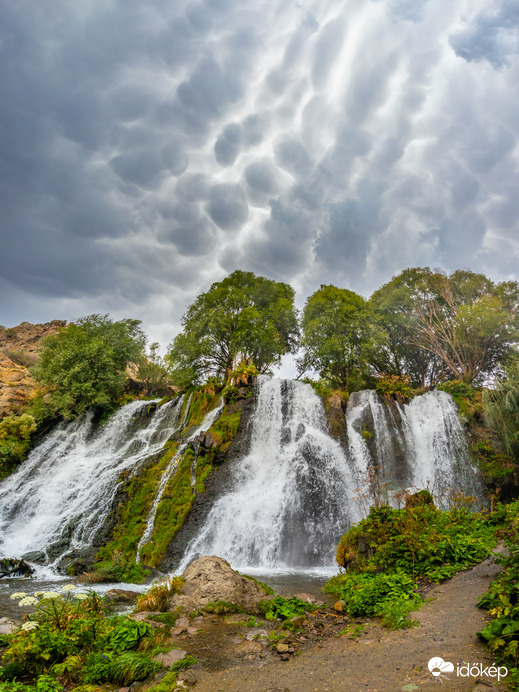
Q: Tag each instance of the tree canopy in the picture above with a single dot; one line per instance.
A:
(84, 363)
(338, 331)
(244, 317)
(464, 321)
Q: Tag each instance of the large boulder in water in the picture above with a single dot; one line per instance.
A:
(12, 567)
(210, 579)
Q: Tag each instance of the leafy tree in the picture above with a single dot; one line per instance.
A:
(153, 372)
(338, 331)
(244, 317)
(395, 304)
(465, 321)
(15, 439)
(84, 363)
(501, 407)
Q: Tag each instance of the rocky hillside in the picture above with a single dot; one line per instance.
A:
(19, 348)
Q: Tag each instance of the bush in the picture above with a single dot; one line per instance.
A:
(158, 595)
(395, 386)
(368, 594)
(280, 608)
(15, 440)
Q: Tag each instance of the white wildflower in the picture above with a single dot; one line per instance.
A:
(29, 626)
(17, 595)
(68, 587)
(51, 594)
(38, 593)
(28, 601)
(80, 596)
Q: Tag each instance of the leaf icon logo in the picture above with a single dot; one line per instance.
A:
(438, 666)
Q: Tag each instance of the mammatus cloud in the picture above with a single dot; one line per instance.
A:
(149, 149)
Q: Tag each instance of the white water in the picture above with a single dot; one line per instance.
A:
(66, 486)
(297, 490)
(172, 466)
(292, 493)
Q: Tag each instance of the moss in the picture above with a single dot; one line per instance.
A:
(225, 428)
(201, 401)
(132, 514)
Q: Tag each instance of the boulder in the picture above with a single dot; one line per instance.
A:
(170, 657)
(121, 596)
(36, 556)
(210, 579)
(7, 626)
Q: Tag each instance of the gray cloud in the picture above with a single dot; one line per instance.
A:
(148, 149)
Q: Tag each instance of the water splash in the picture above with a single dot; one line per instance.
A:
(292, 493)
(65, 488)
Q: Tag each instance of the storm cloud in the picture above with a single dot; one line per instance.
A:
(148, 149)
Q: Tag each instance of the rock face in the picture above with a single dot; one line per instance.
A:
(19, 348)
(211, 579)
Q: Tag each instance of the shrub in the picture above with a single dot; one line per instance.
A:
(280, 608)
(395, 386)
(159, 594)
(367, 594)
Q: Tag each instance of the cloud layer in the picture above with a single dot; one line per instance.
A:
(148, 149)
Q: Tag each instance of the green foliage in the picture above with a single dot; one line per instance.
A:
(168, 682)
(501, 601)
(157, 597)
(15, 440)
(466, 322)
(421, 541)
(222, 608)
(242, 318)
(458, 389)
(501, 407)
(495, 465)
(84, 363)
(338, 330)
(280, 608)
(400, 546)
(396, 386)
(152, 371)
(369, 594)
(73, 642)
(266, 588)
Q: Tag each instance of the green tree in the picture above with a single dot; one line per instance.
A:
(84, 363)
(501, 407)
(338, 331)
(466, 322)
(15, 439)
(244, 317)
(395, 304)
(153, 372)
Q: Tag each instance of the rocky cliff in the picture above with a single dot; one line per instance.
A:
(19, 348)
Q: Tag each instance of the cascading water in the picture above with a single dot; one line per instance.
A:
(292, 493)
(172, 466)
(298, 490)
(64, 490)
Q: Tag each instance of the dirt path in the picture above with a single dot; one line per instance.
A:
(380, 660)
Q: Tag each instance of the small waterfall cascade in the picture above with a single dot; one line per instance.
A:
(420, 444)
(292, 493)
(63, 492)
(208, 420)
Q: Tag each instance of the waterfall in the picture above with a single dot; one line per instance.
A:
(292, 492)
(297, 490)
(64, 490)
(172, 466)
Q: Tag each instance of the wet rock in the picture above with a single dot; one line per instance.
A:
(36, 556)
(121, 596)
(210, 579)
(15, 567)
(171, 657)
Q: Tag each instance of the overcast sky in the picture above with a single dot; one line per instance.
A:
(151, 147)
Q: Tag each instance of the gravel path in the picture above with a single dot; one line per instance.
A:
(381, 660)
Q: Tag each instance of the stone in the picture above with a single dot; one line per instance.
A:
(339, 606)
(7, 626)
(282, 648)
(306, 597)
(36, 556)
(121, 595)
(177, 631)
(247, 647)
(210, 579)
(192, 630)
(298, 620)
(188, 677)
(182, 622)
(171, 657)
